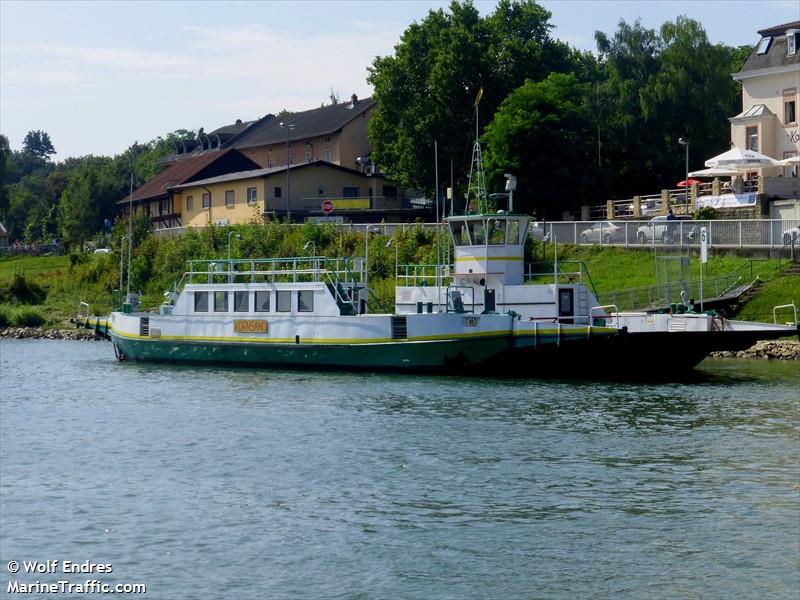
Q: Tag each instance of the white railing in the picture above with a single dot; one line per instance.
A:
(740, 233)
(729, 233)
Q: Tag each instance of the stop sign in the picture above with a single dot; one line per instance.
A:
(327, 206)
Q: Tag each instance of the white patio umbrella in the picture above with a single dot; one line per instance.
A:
(737, 158)
(792, 161)
(714, 173)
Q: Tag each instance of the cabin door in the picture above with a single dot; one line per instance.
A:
(566, 305)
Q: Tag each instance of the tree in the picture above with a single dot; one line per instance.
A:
(5, 156)
(37, 143)
(543, 134)
(656, 87)
(426, 91)
(78, 213)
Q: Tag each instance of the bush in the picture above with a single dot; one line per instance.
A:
(5, 318)
(706, 213)
(26, 292)
(27, 316)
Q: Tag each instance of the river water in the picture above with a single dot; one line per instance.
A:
(205, 482)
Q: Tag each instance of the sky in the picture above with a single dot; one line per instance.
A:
(98, 76)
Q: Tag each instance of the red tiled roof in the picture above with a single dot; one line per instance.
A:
(175, 174)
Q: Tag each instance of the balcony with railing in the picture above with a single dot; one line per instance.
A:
(737, 193)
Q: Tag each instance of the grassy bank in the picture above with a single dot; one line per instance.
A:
(53, 286)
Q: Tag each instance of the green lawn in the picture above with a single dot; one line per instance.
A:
(781, 290)
(33, 266)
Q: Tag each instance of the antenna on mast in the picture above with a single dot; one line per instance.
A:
(476, 186)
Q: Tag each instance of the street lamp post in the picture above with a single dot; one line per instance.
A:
(367, 231)
(230, 269)
(685, 143)
(313, 255)
(288, 127)
(121, 258)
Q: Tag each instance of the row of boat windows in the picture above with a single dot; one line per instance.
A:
(489, 232)
(260, 300)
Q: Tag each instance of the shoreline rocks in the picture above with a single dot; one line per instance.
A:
(767, 350)
(37, 333)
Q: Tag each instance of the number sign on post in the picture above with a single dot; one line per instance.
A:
(703, 245)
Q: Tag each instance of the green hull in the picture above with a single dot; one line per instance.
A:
(445, 355)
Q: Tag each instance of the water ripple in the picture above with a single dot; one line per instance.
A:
(245, 483)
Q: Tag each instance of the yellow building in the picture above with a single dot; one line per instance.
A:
(336, 134)
(249, 196)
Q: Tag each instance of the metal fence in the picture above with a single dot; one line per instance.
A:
(754, 233)
(656, 231)
(32, 250)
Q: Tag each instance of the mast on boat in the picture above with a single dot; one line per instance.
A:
(476, 187)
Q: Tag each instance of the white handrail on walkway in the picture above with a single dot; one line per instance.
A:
(775, 312)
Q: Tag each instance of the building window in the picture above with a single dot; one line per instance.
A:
(389, 191)
(252, 196)
(189, 203)
(206, 200)
(284, 302)
(262, 301)
(320, 191)
(751, 138)
(789, 106)
(308, 157)
(241, 301)
(229, 199)
(271, 163)
(277, 191)
(327, 138)
(328, 155)
(220, 301)
(269, 148)
(763, 45)
(201, 302)
(305, 301)
(791, 41)
(350, 192)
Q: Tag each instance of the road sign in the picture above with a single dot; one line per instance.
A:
(327, 206)
(703, 245)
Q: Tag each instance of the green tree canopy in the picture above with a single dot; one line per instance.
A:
(37, 143)
(426, 91)
(542, 133)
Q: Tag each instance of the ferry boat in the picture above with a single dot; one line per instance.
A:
(484, 314)
(313, 313)
(488, 269)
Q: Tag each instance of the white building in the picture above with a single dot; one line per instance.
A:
(770, 79)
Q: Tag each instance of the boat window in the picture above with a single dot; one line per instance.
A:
(220, 301)
(460, 233)
(241, 301)
(262, 301)
(497, 231)
(478, 234)
(305, 301)
(201, 302)
(284, 302)
(513, 231)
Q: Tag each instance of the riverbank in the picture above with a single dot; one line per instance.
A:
(770, 350)
(24, 333)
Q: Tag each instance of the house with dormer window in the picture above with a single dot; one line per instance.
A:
(770, 79)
